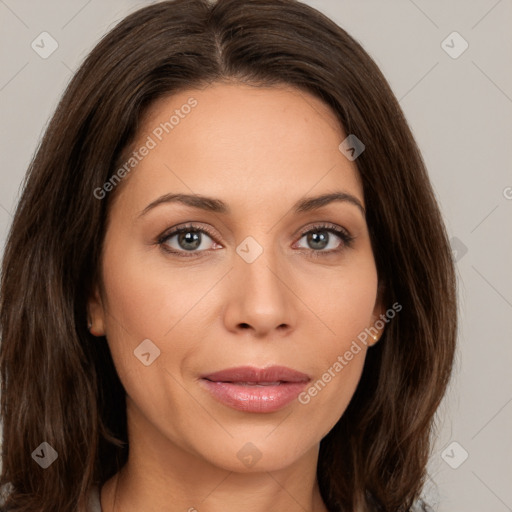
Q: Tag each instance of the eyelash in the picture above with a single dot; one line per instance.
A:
(343, 234)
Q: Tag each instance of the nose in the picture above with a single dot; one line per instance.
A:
(260, 298)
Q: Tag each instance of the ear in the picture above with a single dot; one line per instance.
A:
(96, 313)
(378, 323)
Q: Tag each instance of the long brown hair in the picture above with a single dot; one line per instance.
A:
(59, 384)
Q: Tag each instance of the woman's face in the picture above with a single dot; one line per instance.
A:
(242, 286)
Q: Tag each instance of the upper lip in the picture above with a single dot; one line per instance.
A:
(253, 374)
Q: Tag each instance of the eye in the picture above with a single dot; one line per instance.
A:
(186, 239)
(191, 240)
(319, 238)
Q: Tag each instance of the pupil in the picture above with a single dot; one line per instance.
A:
(194, 239)
(315, 238)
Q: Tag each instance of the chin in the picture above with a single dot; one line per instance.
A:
(256, 456)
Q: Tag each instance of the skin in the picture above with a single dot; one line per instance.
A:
(259, 150)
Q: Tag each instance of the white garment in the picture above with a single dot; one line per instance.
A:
(94, 500)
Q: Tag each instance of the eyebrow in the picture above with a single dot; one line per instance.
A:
(211, 204)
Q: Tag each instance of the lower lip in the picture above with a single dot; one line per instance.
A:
(255, 398)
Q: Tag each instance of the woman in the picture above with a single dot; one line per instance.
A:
(227, 282)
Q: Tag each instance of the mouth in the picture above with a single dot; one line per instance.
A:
(256, 390)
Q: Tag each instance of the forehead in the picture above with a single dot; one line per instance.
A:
(249, 143)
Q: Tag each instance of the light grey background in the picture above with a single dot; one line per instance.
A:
(460, 110)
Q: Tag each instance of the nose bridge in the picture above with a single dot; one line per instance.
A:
(258, 267)
(260, 295)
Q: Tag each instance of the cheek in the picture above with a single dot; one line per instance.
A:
(346, 310)
(345, 302)
(143, 305)
(327, 397)
(148, 301)
(145, 296)
(338, 364)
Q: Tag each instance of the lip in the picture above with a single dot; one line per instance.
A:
(258, 390)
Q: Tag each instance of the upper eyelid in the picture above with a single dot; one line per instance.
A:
(168, 233)
(325, 225)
